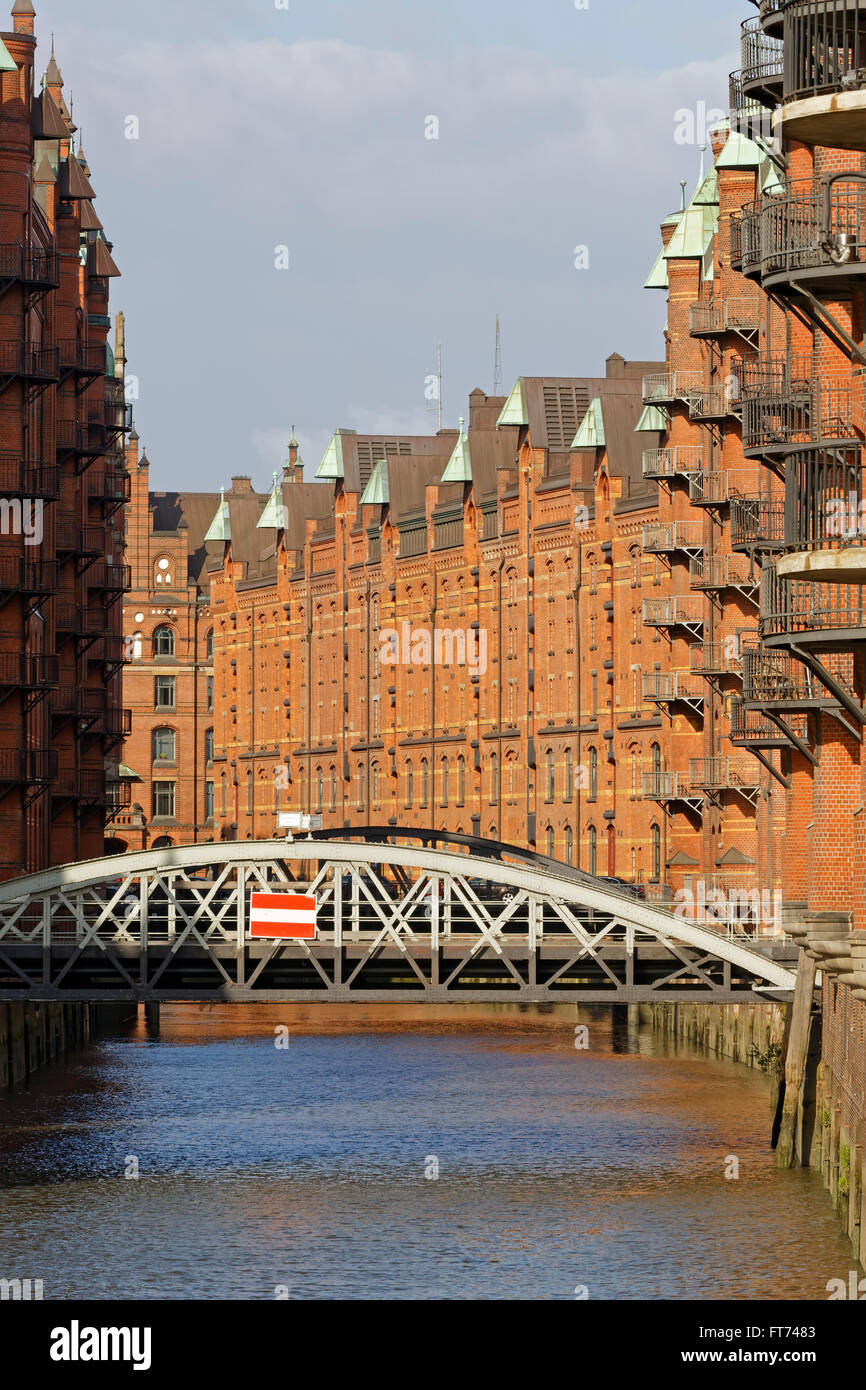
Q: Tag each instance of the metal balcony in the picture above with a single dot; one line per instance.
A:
(717, 487)
(75, 538)
(672, 688)
(118, 795)
(824, 88)
(814, 234)
(664, 388)
(33, 577)
(76, 620)
(810, 614)
(21, 477)
(112, 485)
(762, 63)
(739, 314)
(785, 404)
(670, 786)
(757, 523)
(714, 659)
(84, 786)
(712, 403)
(84, 360)
(748, 117)
(773, 677)
(112, 579)
(681, 460)
(751, 729)
(27, 766)
(687, 612)
(674, 535)
(28, 671)
(771, 14)
(80, 440)
(26, 265)
(110, 650)
(716, 775)
(715, 573)
(38, 366)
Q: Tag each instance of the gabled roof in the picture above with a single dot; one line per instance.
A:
(332, 464)
(459, 466)
(272, 518)
(7, 62)
(376, 493)
(514, 411)
(48, 123)
(220, 528)
(590, 435)
(99, 259)
(653, 417)
(74, 183)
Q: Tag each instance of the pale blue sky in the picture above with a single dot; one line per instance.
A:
(305, 127)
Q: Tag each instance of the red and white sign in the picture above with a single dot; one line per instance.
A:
(289, 916)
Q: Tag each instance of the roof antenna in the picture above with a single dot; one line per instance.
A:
(683, 194)
(701, 174)
(497, 362)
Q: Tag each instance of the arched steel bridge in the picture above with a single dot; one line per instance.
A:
(404, 916)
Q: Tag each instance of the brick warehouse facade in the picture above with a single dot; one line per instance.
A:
(62, 483)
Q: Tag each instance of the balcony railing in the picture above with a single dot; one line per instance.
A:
(757, 523)
(84, 785)
(751, 728)
(673, 612)
(28, 670)
(27, 766)
(22, 478)
(714, 659)
(73, 537)
(715, 487)
(85, 359)
(30, 363)
(675, 535)
(791, 232)
(762, 61)
(118, 795)
(717, 572)
(19, 576)
(109, 578)
(80, 621)
(825, 48)
(671, 687)
(668, 786)
(712, 403)
(722, 774)
(680, 460)
(735, 314)
(667, 387)
(784, 403)
(76, 438)
(807, 610)
(110, 485)
(773, 677)
(40, 270)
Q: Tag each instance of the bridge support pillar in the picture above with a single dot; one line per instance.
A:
(151, 1019)
(793, 1143)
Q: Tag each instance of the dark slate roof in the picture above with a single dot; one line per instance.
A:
(361, 453)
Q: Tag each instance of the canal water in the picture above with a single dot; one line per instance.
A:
(314, 1152)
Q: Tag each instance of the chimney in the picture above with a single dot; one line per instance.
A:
(242, 484)
(23, 17)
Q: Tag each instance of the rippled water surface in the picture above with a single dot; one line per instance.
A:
(308, 1168)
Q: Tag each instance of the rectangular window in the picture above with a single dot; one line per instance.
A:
(164, 800)
(164, 692)
(208, 800)
(210, 693)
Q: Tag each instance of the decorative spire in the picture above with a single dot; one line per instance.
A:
(683, 194)
(23, 16)
(220, 528)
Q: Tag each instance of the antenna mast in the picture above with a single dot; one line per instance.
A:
(497, 363)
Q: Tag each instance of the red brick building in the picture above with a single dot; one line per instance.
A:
(62, 421)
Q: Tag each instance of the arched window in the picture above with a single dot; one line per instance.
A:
(375, 793)
(593, 773)
(362, 786)
(208, 745)
(320, 788)
(635, 772)
(551, 843)
(410, 784)
(592, 840)
(333, 789)
(511, 779)
(657, 853)
(163, 641)
(569, 775)
(461, 780)
(162, 572)
(446, 777)
(657, 759)
(569, 845)
(209, 645)
(425, 782)
(494, 778)
(164, 746)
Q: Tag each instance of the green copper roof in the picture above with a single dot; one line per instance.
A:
(459, 466)
(654, 417)
(696, 228)
(273, 516)
(514, 411)
(376, 492)
(220, 528)
(709, 267)
(332, 464)
(771, 180)
(7, 62)
(590, 434)
(739, 153)
(658, 276)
